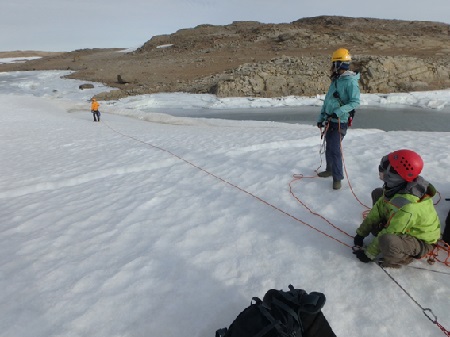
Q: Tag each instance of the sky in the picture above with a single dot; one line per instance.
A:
(149, 224)
(63, 25)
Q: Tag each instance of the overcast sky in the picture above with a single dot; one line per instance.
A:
(66, 25)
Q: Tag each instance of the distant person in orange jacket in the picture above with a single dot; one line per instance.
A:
(94, 110)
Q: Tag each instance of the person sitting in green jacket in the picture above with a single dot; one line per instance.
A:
(403, 218)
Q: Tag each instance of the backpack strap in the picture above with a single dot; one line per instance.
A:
(285, 307)
(290, 304)
(285, 302)
(274, 324)
(292, 316)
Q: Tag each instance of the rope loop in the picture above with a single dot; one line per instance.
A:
(430, 315)
(433, 318)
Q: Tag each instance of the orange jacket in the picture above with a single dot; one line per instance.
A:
(94, 106)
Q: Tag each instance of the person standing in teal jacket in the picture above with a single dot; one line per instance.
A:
(341, 100)
(403, 219)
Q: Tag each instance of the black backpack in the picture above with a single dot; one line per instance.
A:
(292, 313)
(446, 235)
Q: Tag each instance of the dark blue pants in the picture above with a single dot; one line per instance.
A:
(333, 155)
(96, 114)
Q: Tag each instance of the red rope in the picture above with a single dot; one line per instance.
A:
(297, 177)
(348, 181)
(300, 176)
(233, 185)
(263, 201)
(442, 248)
(433, 256)
(444, 330)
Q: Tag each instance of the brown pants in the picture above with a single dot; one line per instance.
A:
(401, 249)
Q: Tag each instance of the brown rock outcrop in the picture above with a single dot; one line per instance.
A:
(268, 60)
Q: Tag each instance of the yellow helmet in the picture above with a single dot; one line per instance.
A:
(342, 55)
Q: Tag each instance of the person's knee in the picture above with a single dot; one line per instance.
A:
(388, 243)
(399, 246)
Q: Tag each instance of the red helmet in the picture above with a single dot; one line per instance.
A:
(407, 163)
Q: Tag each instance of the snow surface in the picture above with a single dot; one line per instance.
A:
(159, 225)
(18, 59)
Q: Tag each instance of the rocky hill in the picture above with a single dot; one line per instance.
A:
(267, 60)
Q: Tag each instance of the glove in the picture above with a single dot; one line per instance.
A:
(358, 240)
(333, 115)
(319, 124)
(362, 256)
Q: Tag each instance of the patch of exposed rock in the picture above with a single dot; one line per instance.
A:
(307, 76)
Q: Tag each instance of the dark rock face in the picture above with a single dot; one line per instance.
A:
(86, 86)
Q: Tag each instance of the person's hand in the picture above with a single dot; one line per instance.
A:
(358, 240)
(362, 256)
(333, 115)
(319, 125)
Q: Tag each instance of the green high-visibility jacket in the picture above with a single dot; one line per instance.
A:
(402, 214)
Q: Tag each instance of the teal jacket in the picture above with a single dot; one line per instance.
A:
(404, 213)
(346, 85)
